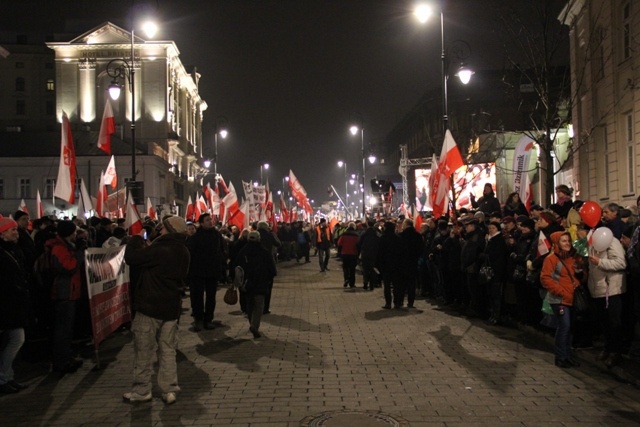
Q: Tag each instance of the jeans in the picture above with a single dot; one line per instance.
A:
(255, 306)
(349, 263)
(323, 257)
(203, 308)
(369, 276)
(154, 335)
(65, 313)
(563, 332)
(11, 341)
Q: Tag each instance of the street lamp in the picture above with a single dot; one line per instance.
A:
(220, 129)
(125, 68)
(266, 168)
(357, 125)
(346, 187)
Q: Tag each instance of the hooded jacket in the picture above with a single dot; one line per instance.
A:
(67, 262)
(608, 277)
(558, 277)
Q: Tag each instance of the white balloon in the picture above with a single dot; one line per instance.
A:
(601, 239)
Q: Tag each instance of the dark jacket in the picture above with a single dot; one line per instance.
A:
(68, 263)
(495, 251)
(413, 243)
(163, 267)
(369, 243)
(259, 268)
(14, 294)
(471, 249)
(390, 256)
(487, 204)
(206, 248)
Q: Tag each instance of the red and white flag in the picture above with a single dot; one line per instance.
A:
(39, 208)
(66, 182)
(110, 175)
(201, 207)
(417, 219)
(101, 200)
(284, 212)
(191, 211)
(151, 213)
(107, 127)
(84, 203)
(132, 221)
(233, 214)
(23, 206)
(222, 184)
(521, 180)
(450, 161)
(543, 244)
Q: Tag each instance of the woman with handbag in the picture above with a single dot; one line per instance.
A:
(561, 274)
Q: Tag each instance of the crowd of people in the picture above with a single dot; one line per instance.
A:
(502, 263)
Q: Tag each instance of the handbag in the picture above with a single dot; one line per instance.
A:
(231, 296)
(580, 298)
(486, 272)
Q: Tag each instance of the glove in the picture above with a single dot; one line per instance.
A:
(530, 265)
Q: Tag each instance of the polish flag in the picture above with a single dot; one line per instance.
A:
(110, 175)
(222, 184)
(84, 204)
(417, 219)
(107, 128)
(23, 206)
(102, 197)
(201, 207)
(268, 211)
(207, 194)
(283, 211)
(233, 214)
(151, 213)
(39, 208)
(543, 244)
(450, 161)
(132, 222)
(190, 213)
(66, 183)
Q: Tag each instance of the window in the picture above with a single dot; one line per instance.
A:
(49, 186)
(25, 188)
(626, 31)
(20, 84)
(21, 107)
(630, 153)
(51, 85)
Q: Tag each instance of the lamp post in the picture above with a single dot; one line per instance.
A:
(126, 69)
(266, 168)
(346, 187)
(356, 127)
(221, 129)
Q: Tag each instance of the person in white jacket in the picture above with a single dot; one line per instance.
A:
(607, 283)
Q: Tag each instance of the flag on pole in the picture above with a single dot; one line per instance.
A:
(84, 204)
(190, 213)
(521, 180)
(110, 175)
(543, 244)
(39, 209)
(66, 183)
(450, 161)
(284, 213)
(23, 206)
(417, 218)
(151, 213)
(102, 197)
(107, 127)
(132, 222)
(233, 214)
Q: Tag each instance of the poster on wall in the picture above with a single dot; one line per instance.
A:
(469, 179)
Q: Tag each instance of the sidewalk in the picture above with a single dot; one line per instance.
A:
(334, 357)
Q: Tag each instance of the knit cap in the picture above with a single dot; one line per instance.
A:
(6, 223)
(175, 224)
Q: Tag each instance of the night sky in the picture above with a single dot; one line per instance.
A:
(288, 74)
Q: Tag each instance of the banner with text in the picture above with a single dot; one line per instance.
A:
(108, 285)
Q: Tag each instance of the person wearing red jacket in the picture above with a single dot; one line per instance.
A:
(348, 242)
(67, 259)
(561, 274)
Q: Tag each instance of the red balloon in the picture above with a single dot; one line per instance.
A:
(590, 212)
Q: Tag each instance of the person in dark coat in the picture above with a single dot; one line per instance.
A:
(163, 267)
(270, 242)
(390, 261)
(472, 247)
(495, 252)
(206, 248)
(488, 202)
(368, 245)
(413, 244)
(527, 297)
(259, 270)
(14, 303)
(513, 206)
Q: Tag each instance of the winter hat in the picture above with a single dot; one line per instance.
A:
(19, 214)
(175, 224)
(548, 216)
(528, 223)
(253, 236)
(263, 225)
(66, 228)
(6, 223)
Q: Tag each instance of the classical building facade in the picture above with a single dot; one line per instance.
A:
(168, 118)
(605, 65)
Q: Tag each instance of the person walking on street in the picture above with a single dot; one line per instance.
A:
(413, 244)
(163, 267)
(206, 248)
(348, 242)
(368, 245)
(259, 270)
(390, 261)
(323, 244)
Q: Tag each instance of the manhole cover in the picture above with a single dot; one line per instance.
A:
(348, 418)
